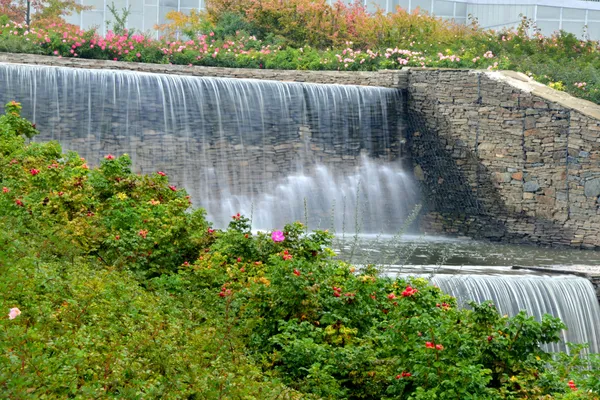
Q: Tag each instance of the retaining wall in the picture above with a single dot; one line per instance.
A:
(498, 156)
(504, 158)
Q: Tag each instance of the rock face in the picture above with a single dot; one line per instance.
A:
(418, 171)
(531, 186)
(518, 162)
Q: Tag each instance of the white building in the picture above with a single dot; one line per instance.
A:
(579, 17)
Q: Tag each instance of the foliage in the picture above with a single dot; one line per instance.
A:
(116, 289)
(43, 12)
(314, 35)
(109, 212)
(87, 332)
(119, 23)
(330, 330)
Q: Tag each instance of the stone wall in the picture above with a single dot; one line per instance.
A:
(499, 157)
(504, 158)
(384, 78)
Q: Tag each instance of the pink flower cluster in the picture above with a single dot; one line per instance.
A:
(451, 57)
(205, 46)
(14, 313)
(277, 236)
(69, 40)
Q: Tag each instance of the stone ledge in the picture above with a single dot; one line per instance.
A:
(586, 271)
(589, 272)
(526, 84)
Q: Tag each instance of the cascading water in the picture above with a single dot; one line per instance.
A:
(369, 196)
(260, 147)
(572, 299)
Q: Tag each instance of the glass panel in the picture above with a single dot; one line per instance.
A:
(135, 22)
(150, 18)
(424, 5)
(136, 6)
(461, 9)
(119, 4)
(573, 13)
(97, 5)
(190, 4)
(443, 8)
(374, 4)
(93, 19)
(74, 19)
(575, 28)
(593, 15)
(169, 3)
(163, 12)
(548, 12)
(548, 27)
(402, 4)
(594, 31)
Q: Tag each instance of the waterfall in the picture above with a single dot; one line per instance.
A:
(570, 298)
(264, 148)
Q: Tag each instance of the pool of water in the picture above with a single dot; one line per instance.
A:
(453, 255)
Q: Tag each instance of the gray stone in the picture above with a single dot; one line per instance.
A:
(592, 188)
(531, 186)
(418, 171)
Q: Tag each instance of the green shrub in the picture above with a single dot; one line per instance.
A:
(109, 212)
(115, 289)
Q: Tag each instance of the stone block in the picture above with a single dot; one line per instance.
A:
(531, 186)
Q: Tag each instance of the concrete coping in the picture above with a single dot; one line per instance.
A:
(527, 84)
(381, 78)
(585, 271)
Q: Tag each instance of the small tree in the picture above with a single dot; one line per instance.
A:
(119, 25)
(14, 11)
(35, 12)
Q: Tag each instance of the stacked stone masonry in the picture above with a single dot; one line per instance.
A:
(501, 158)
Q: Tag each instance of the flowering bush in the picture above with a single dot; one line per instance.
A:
(111, 287)
(330, 330)
(108, 212)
